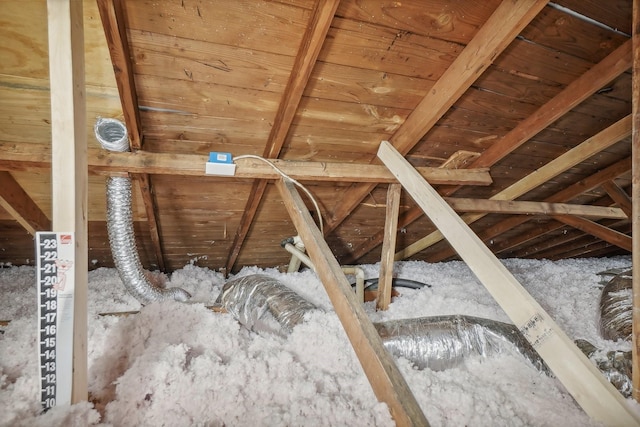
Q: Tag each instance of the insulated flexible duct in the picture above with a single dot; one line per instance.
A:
(257, 300)
(443, 342)
(616, 308)
(112, 135)
(440, 342)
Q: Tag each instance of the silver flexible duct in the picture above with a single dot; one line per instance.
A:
(615, 365)
(112, 135)
(443, 342)
(261, 302)
(616, 308)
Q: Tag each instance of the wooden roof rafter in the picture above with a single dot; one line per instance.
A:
(591, 146)
(584, 86)
(569, 193)
(112, 14)
(492, 38)
(310, 46)
(20, 206)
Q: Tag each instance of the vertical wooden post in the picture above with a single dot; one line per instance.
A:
(635, 196)
(69, 160)
(388, 247)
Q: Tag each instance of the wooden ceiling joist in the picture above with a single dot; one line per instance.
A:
(584, 86)
(310, 46)
(20, 206)
(602, 140)
(495, 35)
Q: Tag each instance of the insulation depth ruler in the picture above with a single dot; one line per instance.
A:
(55, 279)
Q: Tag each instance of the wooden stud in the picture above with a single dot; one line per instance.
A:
(583, 380)
(114, 24)
(69, 161)
(388, 247)
(144, 182)
(532, 208)
(385, 378)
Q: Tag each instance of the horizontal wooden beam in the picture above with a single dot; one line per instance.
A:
(532, 208)
(36, 156)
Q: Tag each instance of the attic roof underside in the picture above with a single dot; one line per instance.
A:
(508, 86)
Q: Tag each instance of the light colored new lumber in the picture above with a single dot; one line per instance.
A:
(587, 385)
(635, 196)
(69, 161)
(591, 146)
(36, 157)
(20, 206)
(388, 246)
(386, 380)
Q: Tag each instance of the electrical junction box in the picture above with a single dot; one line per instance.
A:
(220, 164)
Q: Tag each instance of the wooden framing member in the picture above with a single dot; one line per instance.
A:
(605, 233)
(20, 206)
(506, 22)
(385, 378)
(635, 196)
(113, 18)
(569, 193)
(310, 46)
(598, 142)
(584, 86)
(583, 380)
(37, 157)
(69, 162)
(388, 247)
(619, 196)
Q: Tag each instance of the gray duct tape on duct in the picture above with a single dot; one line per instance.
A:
(112, 135)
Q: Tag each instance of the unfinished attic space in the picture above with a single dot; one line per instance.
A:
(319, 213)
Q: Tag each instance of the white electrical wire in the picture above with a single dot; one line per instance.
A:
(296, 183)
